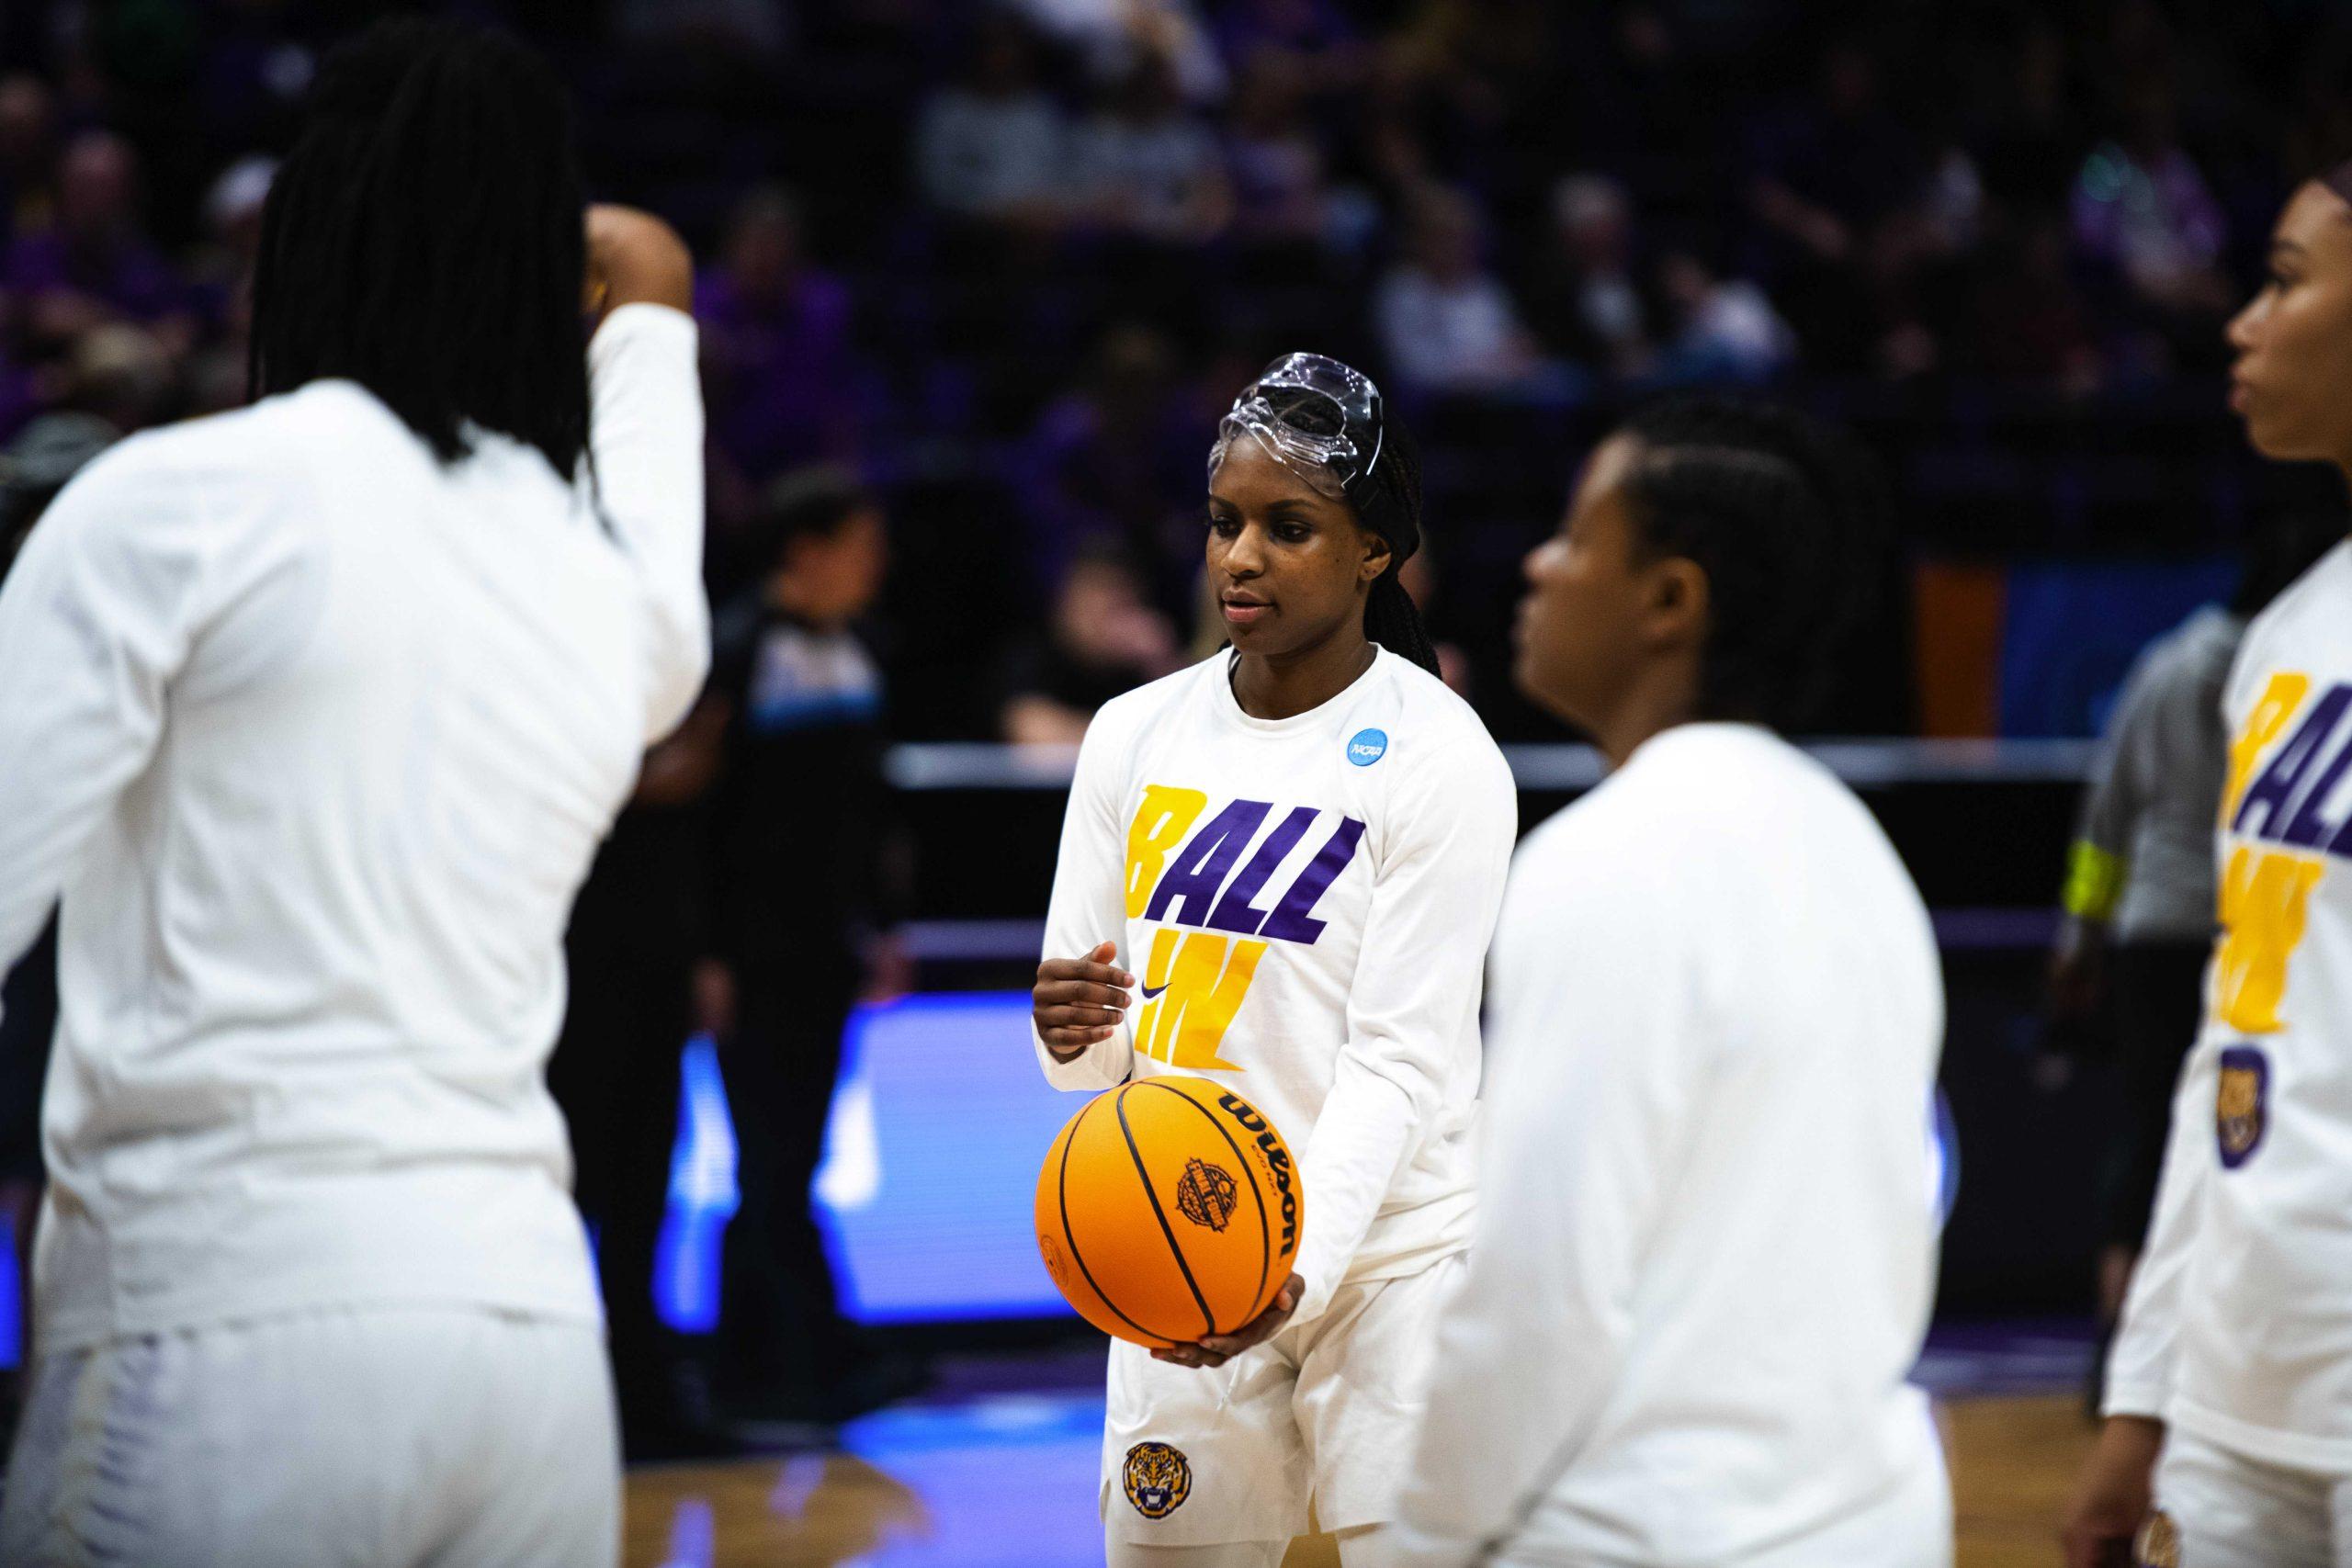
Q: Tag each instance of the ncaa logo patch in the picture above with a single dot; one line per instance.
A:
(1366, 746)
(2158, 1545)
(1157, 1479)
(2242, 1104)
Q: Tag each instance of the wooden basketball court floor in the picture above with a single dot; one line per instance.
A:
(1006, 1479)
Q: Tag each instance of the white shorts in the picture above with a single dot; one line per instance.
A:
(2216, 1509)
(363, 1438)
(1204, 1456)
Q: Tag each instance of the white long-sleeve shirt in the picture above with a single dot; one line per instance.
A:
(1705, 1247)
(1306, 904)
(315, 736)
(2238, 1328)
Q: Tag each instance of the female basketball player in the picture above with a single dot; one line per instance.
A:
(1297, 847)
(2229, 1391)
(1706, 1240)
(313, 714)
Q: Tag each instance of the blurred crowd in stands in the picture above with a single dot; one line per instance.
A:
(1010, 260)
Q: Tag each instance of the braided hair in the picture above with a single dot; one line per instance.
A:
(1389, 504)
(424, 239)
(1787, 518)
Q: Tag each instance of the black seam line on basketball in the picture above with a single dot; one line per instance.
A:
(1208, 1318)
(1265, 1233)
(1061, 1193)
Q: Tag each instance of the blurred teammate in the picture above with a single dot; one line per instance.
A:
(1706, 1234)
(33, 468)
(2140, 893)
(1297, 847)
(314, 713)
(2233, 1362)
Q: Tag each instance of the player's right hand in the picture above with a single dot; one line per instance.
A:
(2113, 1495)
(1076, 1002)
(635, 258)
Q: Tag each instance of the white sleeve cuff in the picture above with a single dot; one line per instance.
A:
(2146, 1400)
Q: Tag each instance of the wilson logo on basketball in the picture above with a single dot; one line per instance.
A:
(1207, 1194)
(1277, 1158)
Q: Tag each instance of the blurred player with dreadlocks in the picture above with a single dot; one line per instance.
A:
(313, 714)
(1297, 846)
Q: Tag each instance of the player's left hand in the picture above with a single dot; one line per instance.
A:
(1219, 1349)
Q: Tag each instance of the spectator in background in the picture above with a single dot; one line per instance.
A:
(1488, 67)
(1112, 36)
(221, 272)
(802, 846)
(2141, 892)
(1447, 325)
(1106, 459)
(1310, 40)
(2144, 213)
(1103, 638)
(1144, 168)
(1837, 162)
(1280, 202)
(96, 266)
(2025, 318)
(1834, 169)
(990, 149)
(1582, 298)
(781, 375)
(27, 147)
(122, 373)
(232, 211)
(1725, 329)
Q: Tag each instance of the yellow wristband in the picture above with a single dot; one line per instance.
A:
(2095, 881)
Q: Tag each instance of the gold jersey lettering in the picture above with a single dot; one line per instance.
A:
(2280, 698)
(1159, 825)
(1193, 984)
(2265, 898)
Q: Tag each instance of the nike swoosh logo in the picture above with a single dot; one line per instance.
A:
(1151, 991)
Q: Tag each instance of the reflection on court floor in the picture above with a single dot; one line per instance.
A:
(995, 1476)
(1005, 1481)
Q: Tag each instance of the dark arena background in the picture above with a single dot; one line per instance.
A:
(999, 267)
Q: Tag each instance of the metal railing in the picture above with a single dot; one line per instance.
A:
(1864, 764)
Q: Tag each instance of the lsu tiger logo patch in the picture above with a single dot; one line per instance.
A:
(2158, 1545)
(1157, 1479)
(2242, 1104)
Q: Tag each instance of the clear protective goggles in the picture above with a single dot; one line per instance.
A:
(1320, 419)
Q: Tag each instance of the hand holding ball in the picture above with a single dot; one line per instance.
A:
(1169, 1211)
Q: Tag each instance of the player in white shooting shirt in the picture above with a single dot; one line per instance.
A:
(2235, 1360)
(1279, 870)
(313, 714)
(1706, 1238)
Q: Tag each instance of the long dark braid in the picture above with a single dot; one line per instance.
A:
(1788, 519)
(1391, 507)
(424, 239)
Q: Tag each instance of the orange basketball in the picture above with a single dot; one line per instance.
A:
(1168, 1209)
